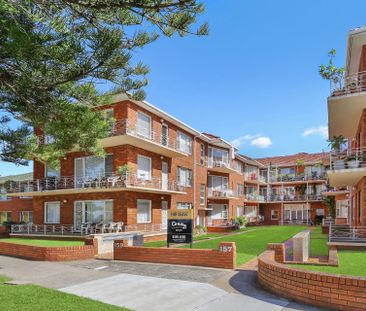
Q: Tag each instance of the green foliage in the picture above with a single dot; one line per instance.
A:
(124, 169)
(330, 202)
(332, 73)
(241, 220)
(198, 230)
(55, 53)
(336, 142)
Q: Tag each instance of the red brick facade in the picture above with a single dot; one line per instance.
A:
(16, 205)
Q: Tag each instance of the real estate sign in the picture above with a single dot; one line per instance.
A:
(180, 226)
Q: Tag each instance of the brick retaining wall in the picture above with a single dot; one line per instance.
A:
(224, 257)
(316, 288)
(39, 253)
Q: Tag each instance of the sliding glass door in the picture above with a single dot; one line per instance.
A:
(92, 212)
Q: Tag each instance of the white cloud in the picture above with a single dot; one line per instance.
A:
(261, 142)
(257, 140)
(321, 130)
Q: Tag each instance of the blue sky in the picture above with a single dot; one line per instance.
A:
(254, 80)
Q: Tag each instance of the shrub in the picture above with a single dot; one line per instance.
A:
(242, 220)
(198, 230)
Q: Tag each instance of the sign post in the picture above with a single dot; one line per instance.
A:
(180, 226)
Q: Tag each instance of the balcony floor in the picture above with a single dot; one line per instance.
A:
(346, 177)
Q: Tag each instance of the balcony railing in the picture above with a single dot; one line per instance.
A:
(348, 159)
(128, 127)
(347, 234)
(221, 164)
(253, 197)
(298, 177)
(255, 177)
(98, 181)
(295, 197)
(350, 84)
(222, 194)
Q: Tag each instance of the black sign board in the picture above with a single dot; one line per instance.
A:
(179, 228)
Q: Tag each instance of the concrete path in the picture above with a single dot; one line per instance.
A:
(144, 286)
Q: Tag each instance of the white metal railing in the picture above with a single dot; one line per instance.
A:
(350, 84)
(43, 229)
(254, 197)
(127, 127)
(326, 221)
(294, 197)
(348, 234)
(221, 164)
(98, 181)
(298, 177)
(350, 158)
(214, 193)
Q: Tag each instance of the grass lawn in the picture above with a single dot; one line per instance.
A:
(318, 242)
(33, 297)
(350, 263)
(196, 238)
(44, 243)
(250, 244)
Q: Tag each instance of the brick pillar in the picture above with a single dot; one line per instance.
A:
(279, 249)
(230, 249)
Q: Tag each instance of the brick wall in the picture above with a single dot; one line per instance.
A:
(39, 253)
(16, 205)
(320, 289)
(225, 257)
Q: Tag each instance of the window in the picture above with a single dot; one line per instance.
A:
(239, 210)
(184, 205)
(240, 189)
(143, 211)
(184, 177)
(26, 217)
(319, 212)
(217, 183)
(250, 211)
(52, 172)
(342, 208)
(5, 217)
(203, 154)
(287, 171)
(202, 194)
(184, 142)
(165, 134)
(143, 125)
(274, 214)
(93, 166)
(239, 167)
(143, 167)
(359, 197)
(108, 114)
(218, 211)
(217, 156)
(4, 197)
(52, 213)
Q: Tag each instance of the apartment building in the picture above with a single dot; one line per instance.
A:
(293, 193)
(347, 118)
(15, 209)
(153, 162)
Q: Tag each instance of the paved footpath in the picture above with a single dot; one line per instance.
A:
(144, 286)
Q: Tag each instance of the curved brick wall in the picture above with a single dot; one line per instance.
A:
(320, 289)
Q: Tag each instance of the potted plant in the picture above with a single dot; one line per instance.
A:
(352, 161)
(336, 143)
(335, 75)
(123, 171)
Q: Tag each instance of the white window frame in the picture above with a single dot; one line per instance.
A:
(165, 125)
(25, 212)
(46, 172)
(188, 173)
(187, 145)
(149, 212)
(202, 194)
(184, 205)
(83, 165)
(150, 122)
(8, 213)
(83, 202)
(273, 213)
(150, 167)
(45, 214)
(202, 153)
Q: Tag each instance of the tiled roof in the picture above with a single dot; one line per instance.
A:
(19, 177)
(290, 160)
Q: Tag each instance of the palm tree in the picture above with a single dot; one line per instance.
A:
(336, 142)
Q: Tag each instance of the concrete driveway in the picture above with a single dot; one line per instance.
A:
(141, 286)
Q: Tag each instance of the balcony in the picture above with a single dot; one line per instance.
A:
(253, 197)
(275, 198)
(347, 167)
(221, 166)
(126, 132)
(102, 183)
(222, 194)
(255, 178)
(298, 178)
(345, 105)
